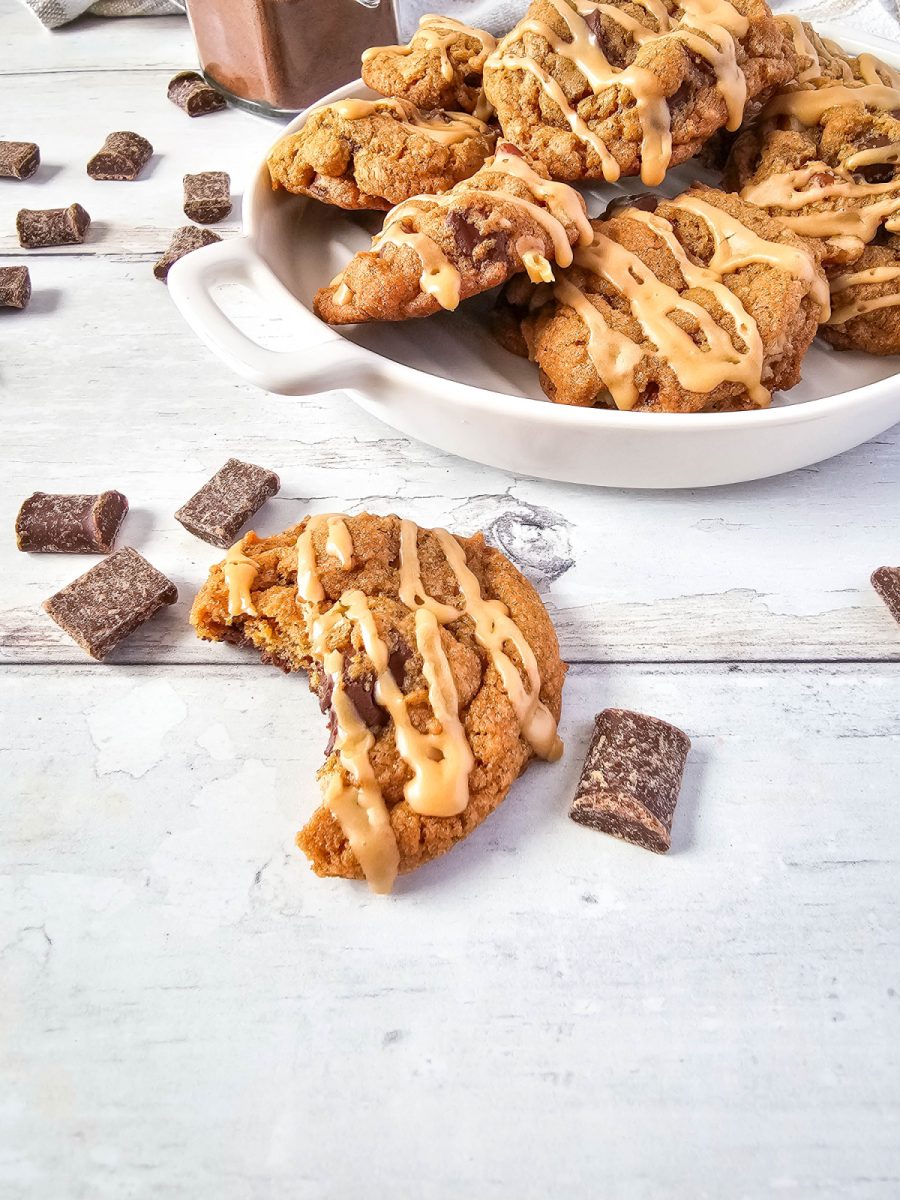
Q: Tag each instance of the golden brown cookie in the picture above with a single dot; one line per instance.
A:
(865, 302)
(697, 304)
(434, 659)
(373, 154)
(595, 90)
(435, 251)
(824, 154)
(441, 67)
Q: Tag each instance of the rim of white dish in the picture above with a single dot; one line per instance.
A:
(565, 414)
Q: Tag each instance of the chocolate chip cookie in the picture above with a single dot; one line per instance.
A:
(697, 304)
(433, 658)
(597, 90)
(824, 155)
(365, 154)
(865, 301)
(435, 251)
(441, 67)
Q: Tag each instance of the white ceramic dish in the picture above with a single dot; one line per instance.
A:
(445, 381)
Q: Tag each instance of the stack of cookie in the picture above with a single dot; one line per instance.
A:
(705, 302)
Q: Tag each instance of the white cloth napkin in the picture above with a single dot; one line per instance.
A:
(497, 16)
(58, 12)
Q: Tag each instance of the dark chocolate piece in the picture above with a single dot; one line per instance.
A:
(184, 240)
(886, 582)
(15, 287)
(360, 691)
(194, 95)
(227, 501)
(19, 160)
(108, 602)
(122, 156)
(207, 196)
(39, 227)
(54, 524)
(631, 778)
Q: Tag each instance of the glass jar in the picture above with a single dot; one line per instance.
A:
(277, 56)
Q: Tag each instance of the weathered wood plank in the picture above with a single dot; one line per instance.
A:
(187, 1010)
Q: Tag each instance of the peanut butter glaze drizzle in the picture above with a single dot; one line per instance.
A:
(709, 29)
(440, 760)
(240, 574)
(855, 308)
(439, 33)
(615, 356)
(448, 129)
(792, 193)
(440, 277)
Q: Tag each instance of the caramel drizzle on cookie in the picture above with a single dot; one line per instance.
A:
(442, 760)
(809, 105)
(709, 28)
(791, 195)
(440, 277)
(240, 574)
(447, 128)
(856, 308)
(440, 33)
(616, 356)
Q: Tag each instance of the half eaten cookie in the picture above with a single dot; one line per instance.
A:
(434, 659)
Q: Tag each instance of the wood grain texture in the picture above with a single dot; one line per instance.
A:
(187, 1011)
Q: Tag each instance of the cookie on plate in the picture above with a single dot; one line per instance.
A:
(865, 302)
(373, 154)
(441, 67)
(597, 90)
(824, 158)
(434, 659)
(697, 304)
(435, 251)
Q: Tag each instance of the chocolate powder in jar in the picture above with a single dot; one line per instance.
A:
(284, 54)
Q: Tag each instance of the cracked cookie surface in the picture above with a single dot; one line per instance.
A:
(436, 251)
(697, 304)
(373, 154)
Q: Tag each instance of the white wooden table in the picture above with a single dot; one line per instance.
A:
(185, 1011)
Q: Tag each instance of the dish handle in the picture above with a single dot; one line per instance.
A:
(324, 363)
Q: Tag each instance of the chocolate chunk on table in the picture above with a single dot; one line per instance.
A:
(15, 287)
(64, 524)
(122, 156)
(207, 196)
(184, 240)
(886, 582)
(194, 95)
(39, 227)
(631, 778)
(110, 601)
(227, 501)
(19, 160)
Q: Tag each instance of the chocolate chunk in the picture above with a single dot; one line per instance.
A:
(122, 156)
(108, 602)
(645, 201)
(184, 240)
(886, 582)
(15, 287)
(398, 656)
(207, 196)
(49, 524)
(39, 227)
(876, 172)
(194, 95)
(227, 501)
(466, 233)
(19, 160)
(631, 778)
(361, 694)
